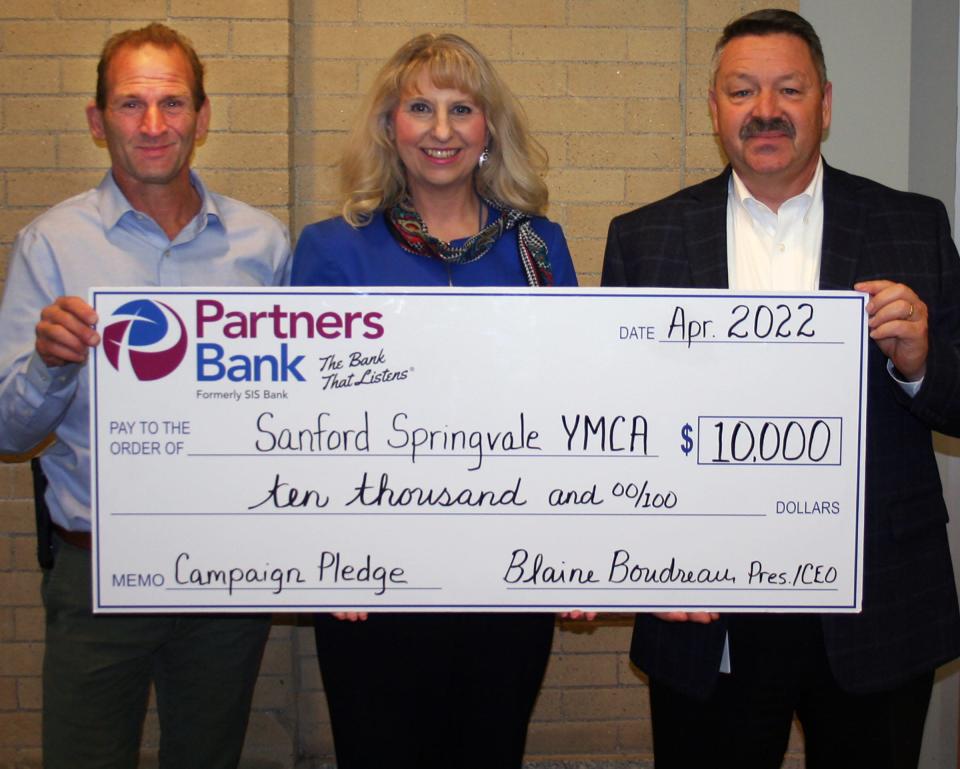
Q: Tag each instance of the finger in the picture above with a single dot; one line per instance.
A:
(350, 616)
(872, 287)
(72, 319)
(901, 322)
(64, 333)
(78, 308)
(578, 614)
(702, 617)
(74, 314)
(892, 298)
(56, 345)
(883, 291)
(899, 310)
(902, 330)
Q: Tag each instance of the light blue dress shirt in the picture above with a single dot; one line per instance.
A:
(98, 239)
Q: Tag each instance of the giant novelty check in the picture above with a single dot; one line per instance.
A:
(488, 449)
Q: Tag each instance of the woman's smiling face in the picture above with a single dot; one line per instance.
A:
(439, 134)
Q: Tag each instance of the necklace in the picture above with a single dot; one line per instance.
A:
(412, 235)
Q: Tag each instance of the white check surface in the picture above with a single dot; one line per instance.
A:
(493, 449)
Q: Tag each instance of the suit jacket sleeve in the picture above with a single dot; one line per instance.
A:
(937, 404)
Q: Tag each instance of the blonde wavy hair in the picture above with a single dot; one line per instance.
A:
(371, 174)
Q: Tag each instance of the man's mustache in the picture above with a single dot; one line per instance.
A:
(756, 126)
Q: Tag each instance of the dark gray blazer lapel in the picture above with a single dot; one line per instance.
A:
(843, 228)
(705, 233)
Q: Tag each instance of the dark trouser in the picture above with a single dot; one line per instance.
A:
(97, 672)
(425, 691)
(779, 667)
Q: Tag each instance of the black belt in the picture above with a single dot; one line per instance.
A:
(79, 539)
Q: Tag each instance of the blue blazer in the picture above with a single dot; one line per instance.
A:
(910, 621)
(332, 253)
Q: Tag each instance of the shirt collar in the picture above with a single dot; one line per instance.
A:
(811, 196)
(114, 205)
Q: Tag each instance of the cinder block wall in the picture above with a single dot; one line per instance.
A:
(615, 90)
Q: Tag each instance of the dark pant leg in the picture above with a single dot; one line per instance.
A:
(425, 691)
(379, 676)
(882, 730)
(498, 670)
(733, 729)
(745, 723)
(780, 666)
(96, 672)
(205, 675)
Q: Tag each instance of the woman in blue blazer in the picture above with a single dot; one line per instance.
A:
(441, 185)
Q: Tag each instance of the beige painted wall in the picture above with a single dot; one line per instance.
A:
(615, 91)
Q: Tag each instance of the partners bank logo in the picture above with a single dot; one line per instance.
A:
(146, 337)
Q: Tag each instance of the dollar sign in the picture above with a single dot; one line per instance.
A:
(687, 445)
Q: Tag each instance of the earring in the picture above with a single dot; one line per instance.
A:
(484, 157)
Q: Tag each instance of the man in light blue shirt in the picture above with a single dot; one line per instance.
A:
(150, 222)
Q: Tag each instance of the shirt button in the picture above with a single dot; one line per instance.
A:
(166, 253)
(782, 248)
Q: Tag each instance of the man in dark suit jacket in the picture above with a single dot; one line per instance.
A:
(859, 683)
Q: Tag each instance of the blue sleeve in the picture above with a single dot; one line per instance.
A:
(306, 257)
(324, 255)
(33, 397)
(564, 273)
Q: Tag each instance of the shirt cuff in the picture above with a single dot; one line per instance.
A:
(43, 381)
(910, 388)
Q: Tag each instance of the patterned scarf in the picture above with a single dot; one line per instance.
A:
(411, 233)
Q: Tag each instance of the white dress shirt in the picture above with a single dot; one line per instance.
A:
(774, 250)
